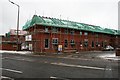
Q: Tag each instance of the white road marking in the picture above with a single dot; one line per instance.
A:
(4, 77)
(45, 62)
(79, 66)
(52, 77)
(29, 60)
(18, 59)
(63, 64)
(16, 71)
(108, 69)
(22, 59)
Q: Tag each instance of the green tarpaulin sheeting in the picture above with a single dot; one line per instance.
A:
(46, 21)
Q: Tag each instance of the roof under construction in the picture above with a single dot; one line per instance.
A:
(47, 21)
(14, 32)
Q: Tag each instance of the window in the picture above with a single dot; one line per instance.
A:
(46, 29)
(81, 43)
(55, 41)
(96, 35)
(72, 32)
(28, 38)
(54, 29)
(14, 45)
(46, 43)
(97, 44)
(105, 44)
(102, 44)
(16, 31)
(65, 43)
(80, 33)
(85, 42)
(66, 31)
(92, 43)
(72, 43)
(85, 33)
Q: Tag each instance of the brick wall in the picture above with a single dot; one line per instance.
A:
(39, 35)
(9, 43)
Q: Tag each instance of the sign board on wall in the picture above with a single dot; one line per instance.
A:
(59, 47)
(28, 38)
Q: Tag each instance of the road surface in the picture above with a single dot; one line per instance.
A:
(23, 66)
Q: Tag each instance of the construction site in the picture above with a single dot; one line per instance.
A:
(51, 35)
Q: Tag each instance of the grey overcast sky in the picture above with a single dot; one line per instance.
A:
(103, 13)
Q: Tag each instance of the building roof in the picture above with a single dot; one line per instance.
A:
(14, 32)
(47, 21)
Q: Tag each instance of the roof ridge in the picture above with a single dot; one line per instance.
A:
(51, 21)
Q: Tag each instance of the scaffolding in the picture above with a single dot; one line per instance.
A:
(76, 39)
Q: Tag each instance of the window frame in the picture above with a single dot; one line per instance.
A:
(97, 44)
(54, 29)
(55, 41)
(46, 29)
(65, 43)
(72, 32)
(66, 31)
(86, 33)
(72, 42)
(86, 43)
(81, 33)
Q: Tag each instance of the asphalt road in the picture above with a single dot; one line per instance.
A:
(23, 66)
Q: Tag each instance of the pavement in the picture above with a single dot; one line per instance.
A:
(15, 52)
(109, 55)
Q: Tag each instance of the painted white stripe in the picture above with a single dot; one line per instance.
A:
(16, 71)
(4, 77)
(79, 66)
(19, 59)
(52, 77)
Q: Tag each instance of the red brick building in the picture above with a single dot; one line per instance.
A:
(51, 35)
(9, 40)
